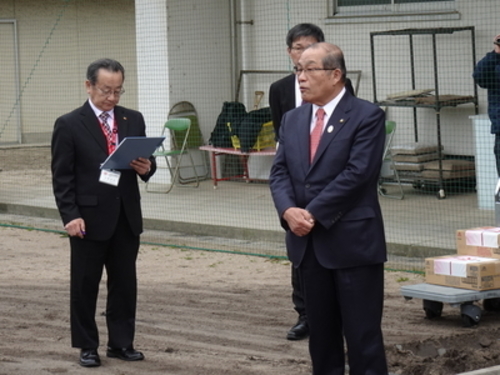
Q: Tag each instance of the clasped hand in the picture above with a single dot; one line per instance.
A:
(300, 221)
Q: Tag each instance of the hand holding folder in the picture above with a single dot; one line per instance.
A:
(131, 148)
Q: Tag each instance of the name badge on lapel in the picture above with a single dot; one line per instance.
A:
(110, 177)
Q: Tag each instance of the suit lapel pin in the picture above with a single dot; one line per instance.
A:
(341, 120)
(330, 129)
(124, 118)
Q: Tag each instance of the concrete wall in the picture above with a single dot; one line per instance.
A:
(265, 40)
(57, 40)
(199, 48)
(9, 79)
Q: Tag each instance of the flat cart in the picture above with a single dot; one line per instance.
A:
(434, 296)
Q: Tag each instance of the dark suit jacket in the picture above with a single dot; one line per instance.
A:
(339, 188)
(282, 98)
(78, 149)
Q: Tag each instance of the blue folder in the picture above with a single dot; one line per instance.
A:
(131, 148)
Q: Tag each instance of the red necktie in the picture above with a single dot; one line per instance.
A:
(316, 133)
(110, 137)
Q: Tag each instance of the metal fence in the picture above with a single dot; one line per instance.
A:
(186, 59)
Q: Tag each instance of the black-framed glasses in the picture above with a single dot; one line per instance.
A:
(308, 71)
(107, 93)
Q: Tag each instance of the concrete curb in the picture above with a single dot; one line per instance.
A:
(228, 232)
(495, 370)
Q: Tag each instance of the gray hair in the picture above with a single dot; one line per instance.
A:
(107, 64)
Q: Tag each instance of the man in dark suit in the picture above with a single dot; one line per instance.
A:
(101, 212)
(284, 95)
(324, 186)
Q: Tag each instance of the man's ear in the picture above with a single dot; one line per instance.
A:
(336, 76)
(87, 86)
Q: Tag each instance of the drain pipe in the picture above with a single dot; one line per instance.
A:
(234, 46)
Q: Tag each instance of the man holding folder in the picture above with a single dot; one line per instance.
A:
(101, 211)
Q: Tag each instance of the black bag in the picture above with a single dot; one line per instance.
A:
(250, 126)
(232, 113)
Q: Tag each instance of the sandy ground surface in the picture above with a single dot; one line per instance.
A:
(204, 313)
(208, 313)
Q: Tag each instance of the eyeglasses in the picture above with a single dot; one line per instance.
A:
(298, 49)
(308, 71)
(107, 93)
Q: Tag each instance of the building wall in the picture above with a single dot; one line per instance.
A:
(199, 48)
(9, 79)
(57, 40)
(266, 38)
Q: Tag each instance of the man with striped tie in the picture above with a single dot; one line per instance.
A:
(100, 211)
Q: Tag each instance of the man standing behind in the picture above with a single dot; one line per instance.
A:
(324, 186)
(101, 212)
(284, 95)
(487, 75)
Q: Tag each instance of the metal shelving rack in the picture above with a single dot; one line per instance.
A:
(435, 102)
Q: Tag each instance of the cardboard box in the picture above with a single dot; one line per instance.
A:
(491, 238)
(482, 242)
(463, 271)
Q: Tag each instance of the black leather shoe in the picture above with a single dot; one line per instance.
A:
(125, 354)
(89, 358)
(299, 331)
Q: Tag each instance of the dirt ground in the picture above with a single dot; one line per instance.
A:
(205, 313)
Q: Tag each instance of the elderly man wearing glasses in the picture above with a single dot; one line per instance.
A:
(324, 185)
(284, 95)
(101, 212)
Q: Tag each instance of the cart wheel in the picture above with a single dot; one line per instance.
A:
(433, 309)
(468, 321)
(471, 314)
(417, 185)
(382, 191)
(491, 304)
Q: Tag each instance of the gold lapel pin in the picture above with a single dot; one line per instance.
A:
(124, 118)
(330, 129)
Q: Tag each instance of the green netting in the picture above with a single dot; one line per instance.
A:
(415, 59)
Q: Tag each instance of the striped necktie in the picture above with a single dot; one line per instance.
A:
(104, 116)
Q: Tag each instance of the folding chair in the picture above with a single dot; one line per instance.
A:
(178, 129)
(390, 129)
(185, 109)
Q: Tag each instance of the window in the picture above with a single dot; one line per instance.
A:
(375, 2)
(415, 9)
(388, 7)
